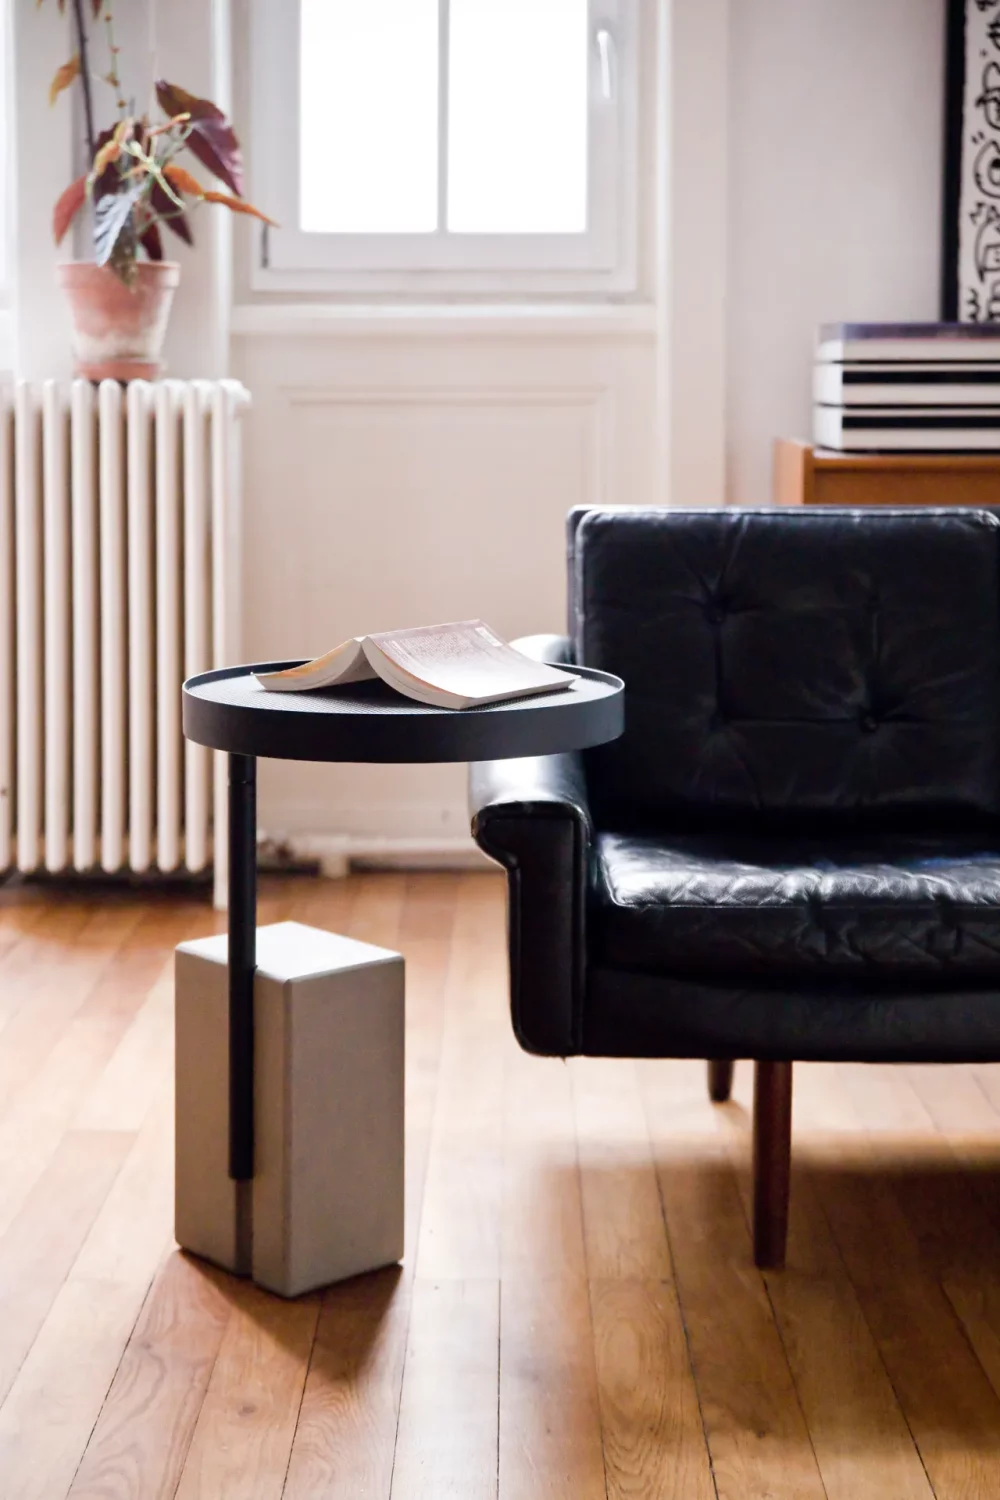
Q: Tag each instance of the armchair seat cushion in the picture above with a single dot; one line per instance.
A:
(739, 908)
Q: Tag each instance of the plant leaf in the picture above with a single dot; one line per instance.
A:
(108, 181)
(109, 152)
(111, 219)
(95, 8)
(64, 77)
(164, 209)
(180, 178)
(238, 205)
(212, 139)
(68, 205)
(151, 242)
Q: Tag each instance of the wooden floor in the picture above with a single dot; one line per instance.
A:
(577, 1316)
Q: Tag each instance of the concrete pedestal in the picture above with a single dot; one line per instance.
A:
(326, 1200)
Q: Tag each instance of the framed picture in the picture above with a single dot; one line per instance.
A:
(970, 260)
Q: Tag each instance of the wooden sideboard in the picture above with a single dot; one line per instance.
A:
(804, 475)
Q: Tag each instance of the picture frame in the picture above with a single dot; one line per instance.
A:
(970, 248)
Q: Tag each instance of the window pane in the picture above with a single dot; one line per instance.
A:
(369, 89)
(517, 126)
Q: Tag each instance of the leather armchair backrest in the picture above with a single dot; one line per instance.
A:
(793, 667)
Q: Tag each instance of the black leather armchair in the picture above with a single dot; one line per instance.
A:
(794, 849)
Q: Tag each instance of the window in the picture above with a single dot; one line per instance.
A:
(446, 144)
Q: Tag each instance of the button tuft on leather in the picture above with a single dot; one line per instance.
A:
(869, 723)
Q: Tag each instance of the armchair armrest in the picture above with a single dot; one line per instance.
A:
(532, 817)
(556, 649)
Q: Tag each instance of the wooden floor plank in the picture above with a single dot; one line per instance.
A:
(38, 948)
(460, 1222)
(41, 1244)
(550, 1422)
(141, 1438)
(346, 1433)
(756, 1431)
(859, 1434)
(425, 936)
(541, 1211)
(61, 1386)
(60, 972)
(80, 1055)
(944, 1393)
(654, 1441)
(242, 1440)
(975, 1296)
(446, 1448)
(622, 1214)
(376, 910)
(120, 1096)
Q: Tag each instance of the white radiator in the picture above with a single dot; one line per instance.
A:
(119, 557)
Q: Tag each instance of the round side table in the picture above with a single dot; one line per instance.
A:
(368, 722)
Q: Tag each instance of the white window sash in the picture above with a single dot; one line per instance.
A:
(603, 258)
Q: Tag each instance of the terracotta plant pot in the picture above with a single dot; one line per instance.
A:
(118, 330)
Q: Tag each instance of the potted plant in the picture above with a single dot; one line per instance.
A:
(120, 300)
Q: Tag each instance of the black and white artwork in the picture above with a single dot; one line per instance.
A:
(970, 289)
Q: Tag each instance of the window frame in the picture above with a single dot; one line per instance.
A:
(603, 260)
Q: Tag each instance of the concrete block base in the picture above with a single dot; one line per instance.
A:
(326, 1201)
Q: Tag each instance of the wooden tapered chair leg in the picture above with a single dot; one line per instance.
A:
(720, 1079)
(772, 1152)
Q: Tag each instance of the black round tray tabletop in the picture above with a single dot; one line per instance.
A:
(369, 721)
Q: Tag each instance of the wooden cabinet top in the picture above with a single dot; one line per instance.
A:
(826, 458)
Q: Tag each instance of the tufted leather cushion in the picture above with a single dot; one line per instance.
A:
(713, 907)
(793, 670)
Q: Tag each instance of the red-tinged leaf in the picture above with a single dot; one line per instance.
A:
(67, 207)
(212, 139)
(238, 206)
(168, 215)
(181, 179)
(63, 77)
(151, 242)
(96, 6)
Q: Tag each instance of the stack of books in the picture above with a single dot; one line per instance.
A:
(907, 387)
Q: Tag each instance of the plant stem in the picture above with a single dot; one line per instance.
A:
(88, 101)
(113, 76)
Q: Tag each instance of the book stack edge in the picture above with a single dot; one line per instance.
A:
(907, 388)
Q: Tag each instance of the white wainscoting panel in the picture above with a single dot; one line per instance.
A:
(415, 481)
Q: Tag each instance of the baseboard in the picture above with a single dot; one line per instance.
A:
(339, 853)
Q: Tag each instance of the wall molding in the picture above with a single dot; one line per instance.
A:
(444, 321)
(598, 400)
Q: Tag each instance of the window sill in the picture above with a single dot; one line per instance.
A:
(444, 320)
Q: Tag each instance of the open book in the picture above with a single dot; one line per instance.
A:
(461, 665)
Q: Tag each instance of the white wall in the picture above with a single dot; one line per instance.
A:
(835, 124)
(399, 477)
